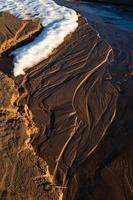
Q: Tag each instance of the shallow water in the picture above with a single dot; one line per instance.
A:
(120, 16)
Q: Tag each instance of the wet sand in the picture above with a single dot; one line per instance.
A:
(79, 115)
(86, 157)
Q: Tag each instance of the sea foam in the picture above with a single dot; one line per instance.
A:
(58, 22)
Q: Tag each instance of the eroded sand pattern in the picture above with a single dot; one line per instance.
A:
(66, 125)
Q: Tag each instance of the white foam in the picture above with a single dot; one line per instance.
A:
(58, 22)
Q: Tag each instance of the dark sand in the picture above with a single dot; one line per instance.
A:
(81, 103)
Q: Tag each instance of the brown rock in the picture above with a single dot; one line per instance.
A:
(14, 30)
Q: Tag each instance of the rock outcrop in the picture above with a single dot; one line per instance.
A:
(14, 30)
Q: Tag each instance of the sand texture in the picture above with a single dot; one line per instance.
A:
(66, 125)
(21, 170)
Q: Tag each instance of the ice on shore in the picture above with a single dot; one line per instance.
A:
(58, 22)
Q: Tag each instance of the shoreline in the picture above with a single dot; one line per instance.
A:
(110, 2)
(66, 125)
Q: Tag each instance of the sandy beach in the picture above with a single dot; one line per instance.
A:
(66, 121)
